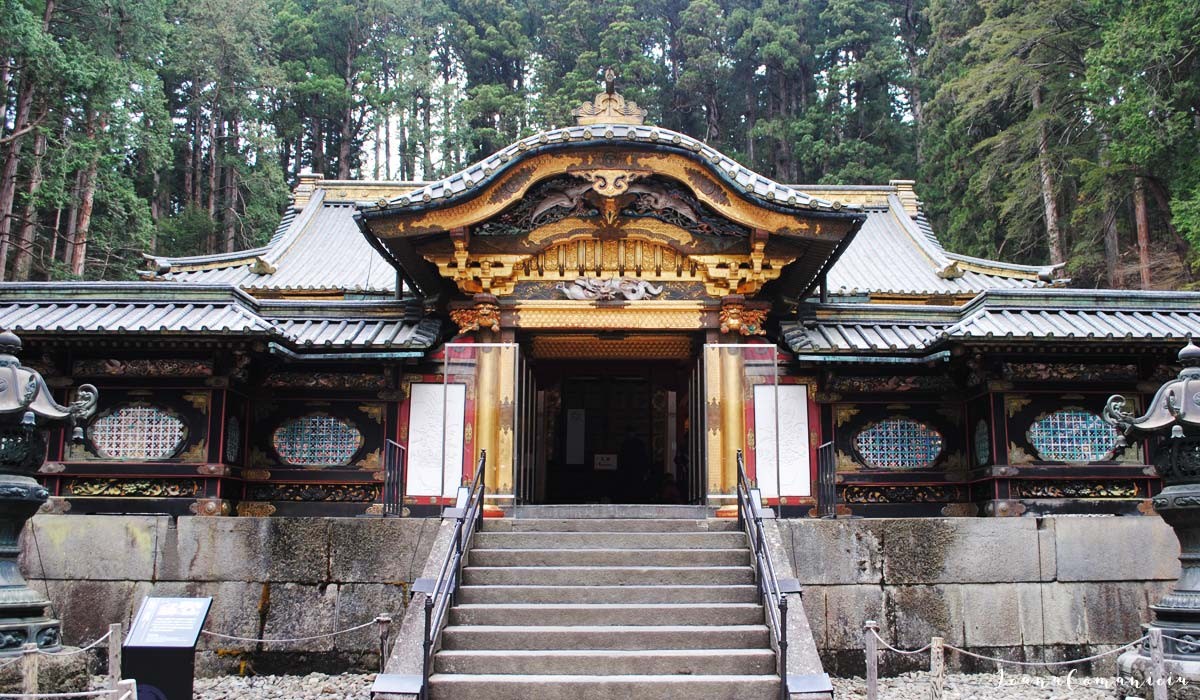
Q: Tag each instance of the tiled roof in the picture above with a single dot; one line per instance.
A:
(324, 250)
(867, 328)
(321, 249)
(353, 324)
(735, 174)
(121, 308)
(895, 254)
(1062, 315)
(1079, 314)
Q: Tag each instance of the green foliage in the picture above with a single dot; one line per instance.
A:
(195, 115)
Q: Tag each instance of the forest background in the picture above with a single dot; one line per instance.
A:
(1061, 131)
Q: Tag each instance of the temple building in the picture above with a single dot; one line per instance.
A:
(613, 311)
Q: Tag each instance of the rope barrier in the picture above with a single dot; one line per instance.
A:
(1188, 642)
(288, 640)
(889, 647)
(77, 694)
(74, 651)
(1047, 664)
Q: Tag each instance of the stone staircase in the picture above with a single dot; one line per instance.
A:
(581, 609)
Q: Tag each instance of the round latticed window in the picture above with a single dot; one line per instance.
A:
(233, 439)
(898, 443)
(137, 431)
(1072, 435)
(317, 440)
(983, 443)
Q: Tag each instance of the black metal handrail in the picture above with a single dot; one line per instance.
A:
(826, 482)
(775, 601)
(393, 478)
(445, 590)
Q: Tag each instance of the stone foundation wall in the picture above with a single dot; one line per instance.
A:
(1034, 589)
(1026, 588)
(269, 577)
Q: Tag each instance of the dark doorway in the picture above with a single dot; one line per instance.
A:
(615, 431)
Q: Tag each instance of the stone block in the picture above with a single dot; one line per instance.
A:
(1115, 548)
(834, 552)
(247, 549)
(391, 550)
(1063, 619)
(56, 674)
(959, 550)
(1114, 611)
(1002, 615)
(91, 547)
(235, 609)
(918, 613)
(87, 608)
(846, 609)
(1047, 554)
(813, 599)
(361, 602)
(298, 610)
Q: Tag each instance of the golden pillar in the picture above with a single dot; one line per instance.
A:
(487, 410)
(506, 397)
(733, 417)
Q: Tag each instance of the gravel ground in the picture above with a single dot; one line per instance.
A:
(314, 686)
(981, 686)
(912, 686)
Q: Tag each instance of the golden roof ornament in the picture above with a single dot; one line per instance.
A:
(609, 107)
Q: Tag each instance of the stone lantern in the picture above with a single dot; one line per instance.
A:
(27, 410)
(1173, 421)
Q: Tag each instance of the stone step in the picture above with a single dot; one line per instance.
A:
(607, 575)
(596, 614)
(602, 662)
(608, 557)
(558, 687)
(609, 540)
(608, 525)
(497, 637)
(610, 511)
(695, 593)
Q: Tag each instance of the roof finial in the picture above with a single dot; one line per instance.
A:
(609, 107)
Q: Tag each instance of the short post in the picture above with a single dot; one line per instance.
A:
(385, 633)
(1158, 675)
(428, 644)
(125, 690)
(29, 669)
(114, 655)
(871, 649)
(937, 668)
(784, 691)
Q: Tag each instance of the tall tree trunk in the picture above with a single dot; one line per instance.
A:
(1143, 230)
(229, 234)
(387, 120)
(1054, 238)
(1112, 249)
(1112, 243)
(23, 254)
(1182, 249)
(214, 156)
(8, 172)
(87, 198)
(318, 147)
(68, 236)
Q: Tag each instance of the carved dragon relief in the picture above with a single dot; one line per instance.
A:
(608, 195)
(600, 219)
(592, 289)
